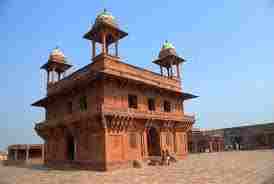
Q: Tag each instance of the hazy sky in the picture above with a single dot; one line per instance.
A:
(229, 46)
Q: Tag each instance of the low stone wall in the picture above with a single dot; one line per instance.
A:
(88, 165)
(36, 161)
(81, 165)
(13, 162)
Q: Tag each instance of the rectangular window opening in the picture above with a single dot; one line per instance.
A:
(83, 103)
(151, 104)
(132, 101)
(167, 106)
(69, 107)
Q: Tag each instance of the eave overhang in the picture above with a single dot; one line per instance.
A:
(94, 33)
(185, 96)
(40, 103)
(61, 67)
(169, 60)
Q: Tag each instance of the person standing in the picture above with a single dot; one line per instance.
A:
(167, 157)
(163, 157)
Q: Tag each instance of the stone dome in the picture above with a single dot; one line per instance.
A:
(167, 49)
(106, 17)
(57, 55)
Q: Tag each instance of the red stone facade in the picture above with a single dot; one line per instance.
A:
(199, 142)
(3, 155)
(25, 154)
(248, 137)
(109, 113)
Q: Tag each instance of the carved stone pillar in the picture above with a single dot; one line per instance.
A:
(27, 154)
(59, 76)
(142, 144)
(168, 72)
(104, 43)
(16, 154)
(116, 48)
(107, 49)
(219, 146)
(47, 77)
(75, 142)
(43, 153)
(53, 75)
(174, 142)
(211, 146)
(145, 143)
(195, 144)
(93, 48)
(178, 70)
(266, 139)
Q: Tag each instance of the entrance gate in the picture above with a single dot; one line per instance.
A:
(153, 142)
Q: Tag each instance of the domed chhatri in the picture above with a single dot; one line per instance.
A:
(57, 55)
(167, 49)
(106, 17)
(168, 60)
(105, 31)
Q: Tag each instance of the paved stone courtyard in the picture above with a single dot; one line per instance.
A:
(244, 167)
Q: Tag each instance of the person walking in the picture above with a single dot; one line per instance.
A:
(167, 157)
(163, 157)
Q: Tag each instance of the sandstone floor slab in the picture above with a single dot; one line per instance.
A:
(241, 167)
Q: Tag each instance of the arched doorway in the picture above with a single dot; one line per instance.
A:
(70, 148)
(153, 142)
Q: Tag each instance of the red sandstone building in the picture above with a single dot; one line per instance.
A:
(248, 137)
(25, 154)
(3, 155)
(201, 141)
(109, 113)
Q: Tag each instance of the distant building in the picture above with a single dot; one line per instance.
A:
(200, 141)
(25, 153)
(109, 113)
(249, 137)
(3, 155)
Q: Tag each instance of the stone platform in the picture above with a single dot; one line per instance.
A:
(243, 167)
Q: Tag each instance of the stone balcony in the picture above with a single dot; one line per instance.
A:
(150, 115)
(138, 114)
(69, 118)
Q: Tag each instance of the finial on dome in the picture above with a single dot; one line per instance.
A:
(57, 55)
(106, 17)
(168, 45)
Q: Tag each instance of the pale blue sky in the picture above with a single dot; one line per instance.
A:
(229, 46)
